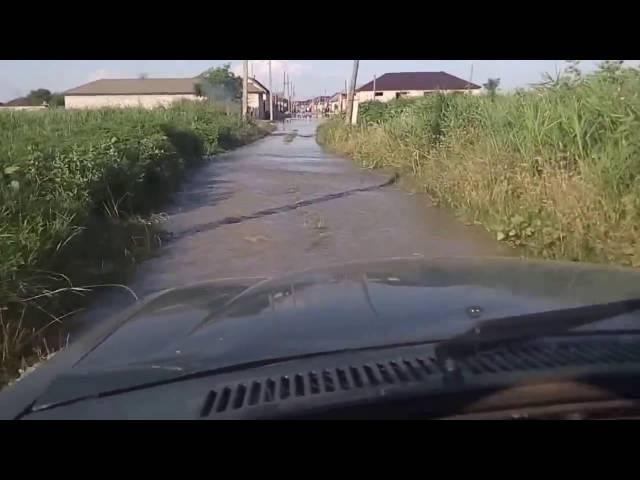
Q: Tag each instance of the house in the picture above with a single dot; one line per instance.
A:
(131, 92)
(302, 106)
(320, 105)
(22, 103)
(413, 84)
(338, 103)
(258, 99)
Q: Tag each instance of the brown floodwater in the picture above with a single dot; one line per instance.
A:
(282, 204)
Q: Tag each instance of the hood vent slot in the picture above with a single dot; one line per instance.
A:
(514, 358)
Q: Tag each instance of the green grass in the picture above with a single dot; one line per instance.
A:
(555, 170)
(79, 189)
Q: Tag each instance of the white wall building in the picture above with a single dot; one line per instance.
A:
(131, 92)
(413, 84)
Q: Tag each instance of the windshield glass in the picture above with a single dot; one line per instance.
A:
(312, 213)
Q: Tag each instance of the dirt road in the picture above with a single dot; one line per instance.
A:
(281, 205)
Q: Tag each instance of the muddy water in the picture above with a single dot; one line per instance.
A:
(281, 205)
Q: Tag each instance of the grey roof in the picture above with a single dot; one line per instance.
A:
(136, 86)
(418, 81)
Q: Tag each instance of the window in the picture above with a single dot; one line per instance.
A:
(401, 94)
(379, 94)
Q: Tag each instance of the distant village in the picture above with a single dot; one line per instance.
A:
(155, 92)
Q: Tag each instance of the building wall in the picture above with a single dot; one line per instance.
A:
(144, 101)
(256, 101)
(391, 94)
(4, 108)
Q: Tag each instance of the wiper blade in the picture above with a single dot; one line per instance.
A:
(495, 332)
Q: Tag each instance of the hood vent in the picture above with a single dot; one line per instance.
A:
(526, 357)
(327, 381)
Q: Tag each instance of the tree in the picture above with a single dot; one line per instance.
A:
(492, 86)
(221, 83)
(39, 96)
(56, 100)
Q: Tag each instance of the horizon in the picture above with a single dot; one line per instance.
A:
(312, 78)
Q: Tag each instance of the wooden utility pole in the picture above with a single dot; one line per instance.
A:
(270, 94)
(352, 89)
(245, 88)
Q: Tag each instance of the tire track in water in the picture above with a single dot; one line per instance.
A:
(206, 227)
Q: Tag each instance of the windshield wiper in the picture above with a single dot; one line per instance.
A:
(496, 332)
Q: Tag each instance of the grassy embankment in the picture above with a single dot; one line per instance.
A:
(555, 171)
(78, 193)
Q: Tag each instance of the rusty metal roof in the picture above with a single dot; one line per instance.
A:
(418, 81)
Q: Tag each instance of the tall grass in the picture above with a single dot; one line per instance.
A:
(555, 170)
(73, 185)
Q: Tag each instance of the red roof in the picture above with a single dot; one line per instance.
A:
(418, 81)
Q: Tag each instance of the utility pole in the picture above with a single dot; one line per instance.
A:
(284, 88)
(245, 89)
(346, 94)
(352, 89)
(270, 94)
(374, 87)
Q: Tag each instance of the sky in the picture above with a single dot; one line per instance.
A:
(310, 77)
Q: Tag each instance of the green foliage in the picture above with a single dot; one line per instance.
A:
(39, 96)
(72, 186)
(221, 83)
(491, 86)
(59, 167)
(56, 100)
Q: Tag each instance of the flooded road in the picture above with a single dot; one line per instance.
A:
(282, 204)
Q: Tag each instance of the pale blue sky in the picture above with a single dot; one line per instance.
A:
(311, 77)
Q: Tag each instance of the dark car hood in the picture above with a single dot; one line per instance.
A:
(356, 305)
(351, 306)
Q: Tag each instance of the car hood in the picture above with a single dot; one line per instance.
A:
(217, 325)
(351, 306)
